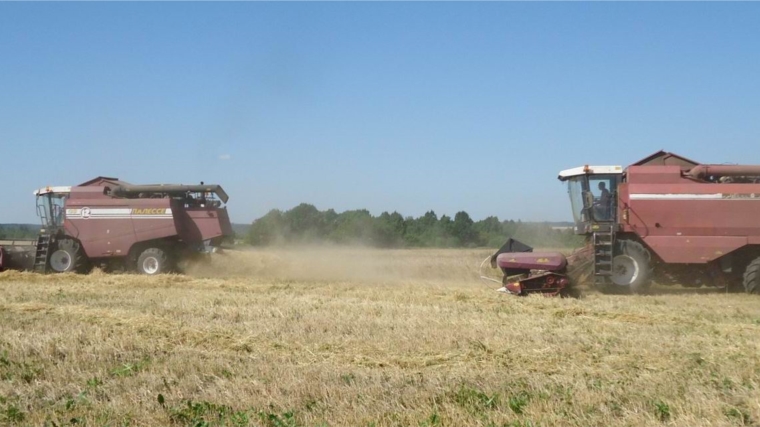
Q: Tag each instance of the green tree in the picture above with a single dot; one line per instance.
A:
(490, 232)
(444, 234)
(421, 231)
(304, 223)
(267, 230)
(19, 231)
(462, 229)
(354, 227)
(389, 230)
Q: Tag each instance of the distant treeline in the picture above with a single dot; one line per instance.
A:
(19, 231)
(306, 224)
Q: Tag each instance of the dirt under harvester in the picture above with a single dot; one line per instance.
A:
(548, 273)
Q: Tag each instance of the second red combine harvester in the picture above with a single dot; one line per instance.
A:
(114, 224)
(663, 218)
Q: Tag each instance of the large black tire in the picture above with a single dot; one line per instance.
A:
(153, 261)
(752, 277)
(68, 257)
(631, 267)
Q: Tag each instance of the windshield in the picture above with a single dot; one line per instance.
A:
(50, 209)
(593, 194)
(575, 189)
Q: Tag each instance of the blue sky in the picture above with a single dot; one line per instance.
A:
(384, 106)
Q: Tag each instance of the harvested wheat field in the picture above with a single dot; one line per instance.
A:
(359, 337)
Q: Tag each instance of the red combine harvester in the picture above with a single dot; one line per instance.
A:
(664, 217)
(115, 224)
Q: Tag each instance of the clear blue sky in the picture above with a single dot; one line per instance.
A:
(384, 106)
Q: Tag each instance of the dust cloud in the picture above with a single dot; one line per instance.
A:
(341, 263)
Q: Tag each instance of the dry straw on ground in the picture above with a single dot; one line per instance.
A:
(357, 337)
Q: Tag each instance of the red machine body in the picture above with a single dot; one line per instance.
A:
(664, 219)
(114, 224)
(686, 220)
(110, 226)
(669, 219)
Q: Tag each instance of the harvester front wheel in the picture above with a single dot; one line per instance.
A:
(153, 261)
(752, 277)
(631, 267)
(67, 257)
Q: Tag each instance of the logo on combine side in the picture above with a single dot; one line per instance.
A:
(86, 213)
(146, 211)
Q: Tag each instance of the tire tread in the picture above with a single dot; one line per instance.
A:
(637, 251)
(752, 277)
(80, 262)
(160, 254)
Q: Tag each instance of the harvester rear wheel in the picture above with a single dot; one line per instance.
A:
(752, 277)
(153, 261)
(631, 267)
(68, 257)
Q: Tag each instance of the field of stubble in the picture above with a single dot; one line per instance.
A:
(359, 337)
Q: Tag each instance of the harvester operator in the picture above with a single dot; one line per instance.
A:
(605, 201)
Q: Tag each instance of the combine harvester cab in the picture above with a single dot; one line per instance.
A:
(117, 225)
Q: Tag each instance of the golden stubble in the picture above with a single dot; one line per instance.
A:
(359, 337)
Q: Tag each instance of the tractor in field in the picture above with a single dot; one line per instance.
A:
(664, 218)
(112, 224)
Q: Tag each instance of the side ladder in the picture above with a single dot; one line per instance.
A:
(604, 242)
(42, 256)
